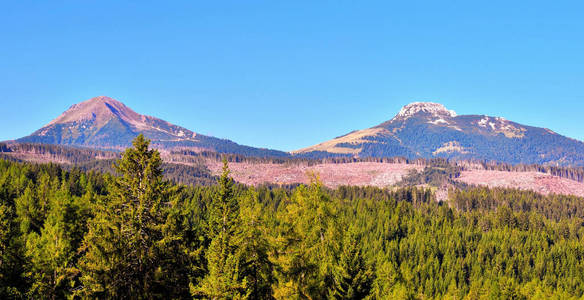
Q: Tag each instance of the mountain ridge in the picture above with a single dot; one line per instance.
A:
(105, 123)
(429, 130)
(418, 130)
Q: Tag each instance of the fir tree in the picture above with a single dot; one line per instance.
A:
(353, 278)
(224, 209)
(52, 253)
(224, 279)
(12, 272)
(123, 258)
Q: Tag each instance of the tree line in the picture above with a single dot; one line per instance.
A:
(100, 160)
(135, 235)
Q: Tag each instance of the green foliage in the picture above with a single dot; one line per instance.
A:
(223, 280)
(123, 256)
(224, 210)
(12, 282)
(237, 257)
(352, 276)
(556, 207)
(256, 268)
(72, 234)
(306, 244)
(435, 174)
(53, 252)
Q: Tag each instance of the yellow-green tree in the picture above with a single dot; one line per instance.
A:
(306, 244)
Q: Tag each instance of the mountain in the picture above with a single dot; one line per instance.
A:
(429, 130)
(105, 123)
(419, 130)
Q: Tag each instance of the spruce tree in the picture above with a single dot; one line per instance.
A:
(224, 209)
(224, 280)
(353, 278)
(183, 243)
(12, 277)
(123, 258)
(53, 253)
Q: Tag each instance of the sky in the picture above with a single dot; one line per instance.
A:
(290, 74)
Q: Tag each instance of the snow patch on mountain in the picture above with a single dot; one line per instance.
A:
(434, 109)
(438, 121)
(502, 125)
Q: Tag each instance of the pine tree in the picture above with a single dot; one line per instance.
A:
(52, 253)
(253, 248)
(183, 243)
(224, 209)
(123, 258)
(12, 277)
(30, 214)
(353, 278)
(224, 280)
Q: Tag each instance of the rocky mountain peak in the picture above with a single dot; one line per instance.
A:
(431, 108)
(105, 123)
(97, 110)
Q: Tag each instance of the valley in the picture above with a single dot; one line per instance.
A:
(293, 171)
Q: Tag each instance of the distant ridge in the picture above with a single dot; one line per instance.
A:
(105, 123)
(429, 130)
(418, 130)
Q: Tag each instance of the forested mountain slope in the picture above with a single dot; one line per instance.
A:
(430, 130)
(419, 130)
(105, 123)
(89, 235)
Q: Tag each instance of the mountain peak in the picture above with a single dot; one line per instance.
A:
(101, 99)
(105, 123)
(434, 109)
(98, 109)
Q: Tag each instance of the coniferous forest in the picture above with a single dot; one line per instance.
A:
(70, 234)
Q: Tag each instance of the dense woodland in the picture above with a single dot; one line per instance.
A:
(135, 235)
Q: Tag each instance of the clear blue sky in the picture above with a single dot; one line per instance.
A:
(289, 75)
